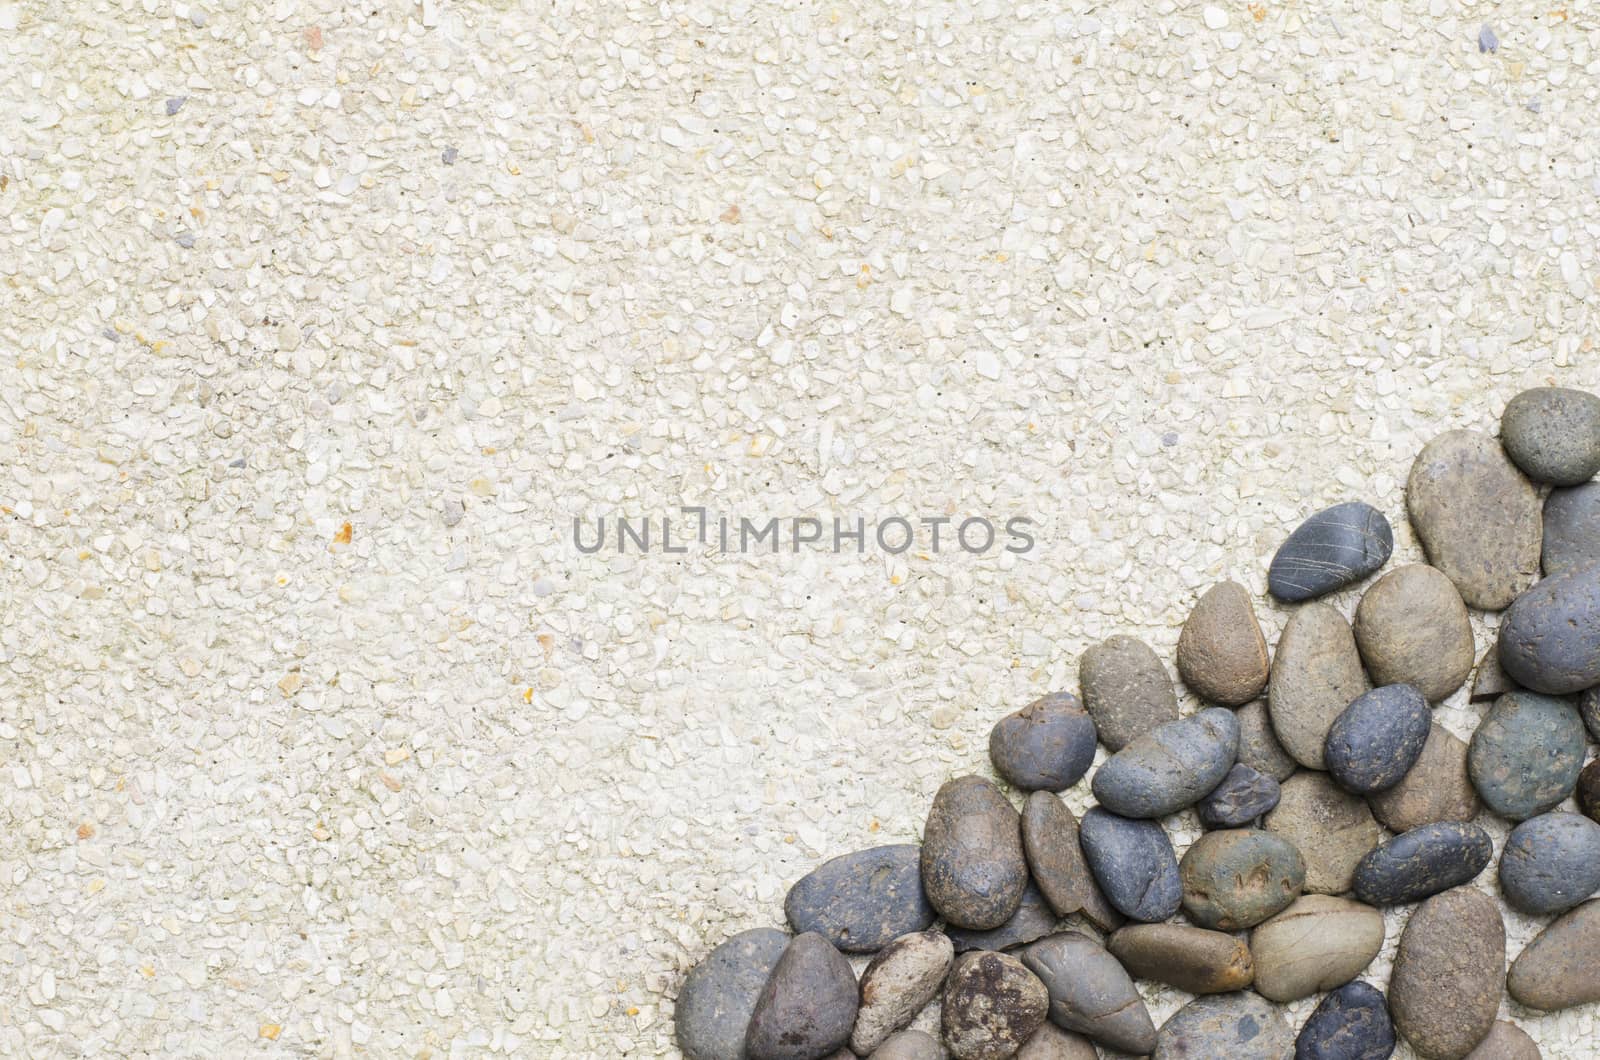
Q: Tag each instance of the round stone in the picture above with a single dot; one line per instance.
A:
(1222, 656)
(1090, 993)
(1351, 1023)
(1553, 434)
(1235, 879)
(1169, 769)
(1589, 790)
(1558, 969)
(973, 869)
(1056, 862)
(808, 1005)
(1050, 1042)
(714, 1006)
(1315, 674)
(1374, 743)
(1571, 528)
(1242, 797)
(1133, 863)
(1258, 744)
(1034, 919)
(991, 1005)
(1550, 637)
(897, 984)
(1331, 828)
(1477, 516)
(1336, 547)
(1314, 945)
(1238, 1026)
(1551, 863)
(1126, 690)
(1048, 745)
(1412, 628)
(1423, 861)
(861, 901)
(1437, 787)
(1449, 972)
(909, 1045)
(1526, 755)
(1189, 958)
(1506, 1041)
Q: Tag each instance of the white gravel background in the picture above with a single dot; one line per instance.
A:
(322, 321)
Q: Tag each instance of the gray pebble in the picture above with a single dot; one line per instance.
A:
(1423, 862)
(1550, 637)
(910, 1045)
(1336, 547)
(1243, 796)
(973, 870)
(861, 901)
(714, 1006)
(1526, 755)
(1553, 434)
(1551, 863)
(1126, 690)
(1050, 1042)
(1449, 973)
(1378, 738)
(1238, 1026)
(808, 1005)
(991, 1006)
(1046, 746)
(1090, 992)
(1316, 672)
(1571, 528)
(897, 984)
(1412, 628)
(1238, 877)
(1133, 863)
(1222, 656)
(1171, 768)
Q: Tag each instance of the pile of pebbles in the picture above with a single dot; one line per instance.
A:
(1280, 898)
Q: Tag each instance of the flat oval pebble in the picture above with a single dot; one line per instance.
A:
(1133, 863)
(1048, 745)
(909, 1045)
(719, 994)
(1571, 528)
(1589, 790)
(1550, 637)
(1351, 1023)
(1423, 861)
(1551, 863)
(1332, 829)
(1489, 681)
(1222, 656)
(1236, 878)
(1169, 769)
(973, 869)
(1553, 434)
(1477, 517)
(1316, 672)
(1506, 1041)
(1056, 862)
(1336, 547)
(1558, 968)
(1189, 958)
(1412, 628)
(1125, 689)
(1034, 919)
(863, 900)
(1378, 738)
(808, 1006)
(1225, 1027)
(991, 1006)
(1314, 945)
(1050, 1042)
(1526, 755)
(897, 984)
(1436, 788)
(1258, 744)
(1243, 796)
(1090, 992)
(1449, 972)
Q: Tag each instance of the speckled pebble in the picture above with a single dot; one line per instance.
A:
(1449, 973)
(1553, 434)
(1047, 745)
(1558, 970)
(1412, 628)
(1571, 528)
(1551, 863)
(1171, 768)
(1376, 740)
(1237, 1026)
(1238, 877)
(897, 984)
(991, 1006)
(1526, 754)
(1550, 637)
(1331, 828)
(1351, 1023)
(861, 901)
(1421, 862)
(1316, 672)
(1125, 689)
(1222, 656)
(716, 999)
(973, 869)
(1090, 992)
(1242, 797)
(1337, 546)
(1133, 863)
(808, 1006)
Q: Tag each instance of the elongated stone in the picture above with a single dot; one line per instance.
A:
(1090, 993)
(1126, 690)
(1448, 974)
(1376, 740)
(1056, 861)
(1314, 945)
(1189, 958)
(1423, 861)
(1133, 863)
(973, 870)
(1169, 769)
(898, 983)
(862, 901)
(1336, 547)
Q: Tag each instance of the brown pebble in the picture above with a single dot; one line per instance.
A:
(1331, 828)
(1222, 656)
(1506, 1041)
(1189, 958)
(1559, 969)
(1449, 972)
(1413, 629)
(1437, 787)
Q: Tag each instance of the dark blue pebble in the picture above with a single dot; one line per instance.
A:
(1133, 863)
(1550, 636)
(1424, 861)
(1373, 744)
(1334, 548)
(1551, 863)
(861, 902)
(1244, 795)
(1170, 768)
(1352, 1023)
(1048, 745)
